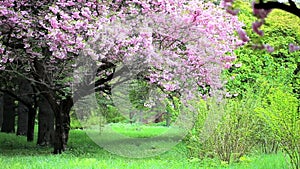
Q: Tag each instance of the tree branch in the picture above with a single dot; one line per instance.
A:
(292, 8)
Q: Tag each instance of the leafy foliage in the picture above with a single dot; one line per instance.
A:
(280, 66)
(233, 135)
(280, 111)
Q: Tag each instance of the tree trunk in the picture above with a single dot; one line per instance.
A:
(62, 122)
(66, 107)
(26, 108)
(22, 120)
(46, 123)
(1, 110)
(31, 116)
(31, 124)
(8, 124)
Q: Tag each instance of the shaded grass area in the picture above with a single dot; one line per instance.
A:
(83, 153)
(138, 130)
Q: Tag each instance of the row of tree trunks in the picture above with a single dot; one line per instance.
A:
(53, 116)
(26, 116)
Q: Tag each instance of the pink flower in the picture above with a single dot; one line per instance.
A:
(54, 9)
(54, 23)
(26, 45)
(170, 87)
(255, 27)
(243, 35)
(70, 3)
(232, 12)
(227, 65)
(228, 95)
(269, 48)
(4, 60)
(1, 50)
(86, 13)
(260, 13)
(293, 47)
(228, 1)
(65, 16)
(75, 15)
(4, 12)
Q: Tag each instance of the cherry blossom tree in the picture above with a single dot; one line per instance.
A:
(41, 41)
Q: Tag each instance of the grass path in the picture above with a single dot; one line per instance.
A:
(83, 153)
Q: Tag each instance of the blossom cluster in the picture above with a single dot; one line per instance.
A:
(187, 40)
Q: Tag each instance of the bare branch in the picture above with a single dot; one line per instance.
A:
(292, 8)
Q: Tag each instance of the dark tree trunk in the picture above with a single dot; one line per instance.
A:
(8, 124)
(62, 121)
(66, 106)
(1, 110)
(32, 115)
(27, 108)
(46, 123)
(31, 123)
(22, 120)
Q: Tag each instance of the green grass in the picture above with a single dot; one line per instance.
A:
(83, 153)
(138, 130)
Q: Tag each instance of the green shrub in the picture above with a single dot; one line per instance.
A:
(225, 130)
(280, 66)
(280, 111)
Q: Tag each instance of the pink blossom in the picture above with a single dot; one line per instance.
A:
(54, 23)
(4, 12)
(232, 12)
(269, 48)
(26, 45)
(54, 9)
(227, 65)
(243, 35)
(86, 12)
(293, 47)
(1, 50)
(170, 87)
(4, 59)
(70, 3)
(255, 27)
(75, 15)
(65, 16)
(260, 13)
(199, 59)
(228, 95)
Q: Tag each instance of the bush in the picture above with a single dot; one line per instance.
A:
(232, 129)
(280, 111)
(278, 67)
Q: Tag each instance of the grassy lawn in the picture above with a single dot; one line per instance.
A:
(16, 153)
(140, 131)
